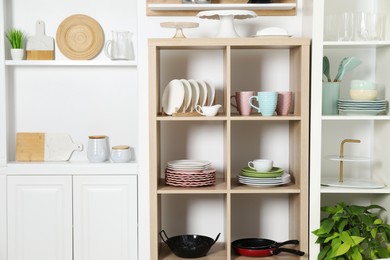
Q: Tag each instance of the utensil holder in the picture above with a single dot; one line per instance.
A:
(330, 95)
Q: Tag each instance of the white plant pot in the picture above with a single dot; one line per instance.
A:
(17, 54)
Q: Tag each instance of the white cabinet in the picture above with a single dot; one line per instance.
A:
(105, 217)
(39, 218)
(72, 217)
(327, 132)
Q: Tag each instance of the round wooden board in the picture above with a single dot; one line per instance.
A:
(80, 37)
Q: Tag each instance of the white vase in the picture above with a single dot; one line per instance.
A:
(17, 54)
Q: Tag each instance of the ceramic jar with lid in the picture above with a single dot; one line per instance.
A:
(120, 154)
(98, 148)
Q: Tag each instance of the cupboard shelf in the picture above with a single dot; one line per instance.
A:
(351, 118)
(333, 190)
(355, 44)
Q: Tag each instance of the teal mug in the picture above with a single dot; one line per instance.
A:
(267, 101)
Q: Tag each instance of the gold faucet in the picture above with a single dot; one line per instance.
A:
(341, 177)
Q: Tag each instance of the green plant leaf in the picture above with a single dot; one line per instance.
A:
(357, 240)
(345, 237)
(342, 249)
(333, 236)
(374, 232)
(356, 254)
(378, 221)
(324, 251)
(326, 226)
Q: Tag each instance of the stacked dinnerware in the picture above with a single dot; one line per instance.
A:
(189, 173)
(275, 177)
(357, 107)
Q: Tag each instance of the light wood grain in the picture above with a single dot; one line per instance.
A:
(30, 147)
(40, 55)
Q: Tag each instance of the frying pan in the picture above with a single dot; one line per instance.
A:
(263, 247)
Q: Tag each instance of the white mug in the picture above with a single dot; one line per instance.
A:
(120, 47)
(261, 165)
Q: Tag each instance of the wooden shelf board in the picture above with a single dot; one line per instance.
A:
(234, 43)
(217, 252)
(176, 8)
(257, 117)
(220, 187)
(203, 7)
(240, 188)
(220, 117)
(71, 63)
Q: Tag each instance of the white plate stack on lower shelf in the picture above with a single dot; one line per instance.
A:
(189, 173)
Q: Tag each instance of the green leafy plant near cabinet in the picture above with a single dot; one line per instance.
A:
(353, 232)
(15, 38)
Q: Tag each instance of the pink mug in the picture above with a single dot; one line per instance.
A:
(242, 102)
(284, 103)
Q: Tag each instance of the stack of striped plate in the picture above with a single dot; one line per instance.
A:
(355, 107)
(275, 177)
(189, 173)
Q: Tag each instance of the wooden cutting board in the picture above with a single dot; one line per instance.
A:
(40, 46)
(32, 147)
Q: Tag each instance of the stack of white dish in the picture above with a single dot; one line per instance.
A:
(275, 177)
(354, 107)
(189, 173)
(182, 95)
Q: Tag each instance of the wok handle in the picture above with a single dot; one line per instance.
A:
(216, 239)
(162, 232)
(287, 250)
(294, 242)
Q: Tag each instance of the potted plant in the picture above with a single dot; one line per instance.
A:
(16, 38)
(353, 232)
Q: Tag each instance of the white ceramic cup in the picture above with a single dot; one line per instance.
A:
(261, 165)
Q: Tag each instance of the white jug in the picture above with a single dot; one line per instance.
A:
(120, 47)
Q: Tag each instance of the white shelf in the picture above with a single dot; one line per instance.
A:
(356, 44)
(74, 63)
(343, 118)
(348, 158)
(79, 167)
(202, 7)
(334, 190)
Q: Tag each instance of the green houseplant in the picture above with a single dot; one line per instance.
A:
(16, 39)
(353, 232)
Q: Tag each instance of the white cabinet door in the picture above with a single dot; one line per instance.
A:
(105, 217)
(39, 217)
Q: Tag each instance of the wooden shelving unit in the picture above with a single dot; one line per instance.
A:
(227, 189)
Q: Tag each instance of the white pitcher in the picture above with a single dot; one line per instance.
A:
(120, 47)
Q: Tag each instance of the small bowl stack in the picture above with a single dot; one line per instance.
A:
(362, 90)
(189, 173)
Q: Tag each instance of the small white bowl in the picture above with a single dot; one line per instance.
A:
(363, 94)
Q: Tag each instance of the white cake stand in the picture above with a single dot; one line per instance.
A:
(226, 18)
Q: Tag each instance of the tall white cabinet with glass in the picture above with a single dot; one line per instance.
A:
(369, 164)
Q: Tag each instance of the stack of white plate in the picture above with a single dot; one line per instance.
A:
(355, 107)
(264, 182)
(182, 95)
(189, 173)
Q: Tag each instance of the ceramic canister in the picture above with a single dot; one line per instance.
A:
(98, 148)
(120, 154)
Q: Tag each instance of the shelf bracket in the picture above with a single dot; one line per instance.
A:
(341, 177)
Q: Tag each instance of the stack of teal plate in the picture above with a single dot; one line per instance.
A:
(357, 107)
(275, 177)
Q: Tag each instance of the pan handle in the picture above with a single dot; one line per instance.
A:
(216, 239)
(294, 242)
(162, 232)
(287, 250)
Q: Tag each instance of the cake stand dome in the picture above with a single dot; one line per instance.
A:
(226, 18)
